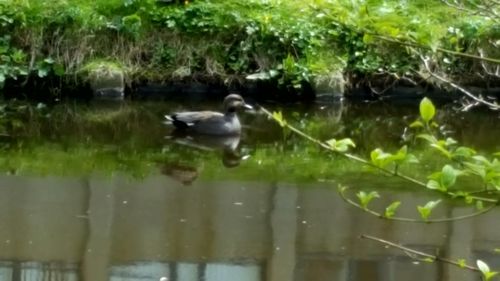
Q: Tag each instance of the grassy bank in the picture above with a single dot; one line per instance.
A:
(291, 43)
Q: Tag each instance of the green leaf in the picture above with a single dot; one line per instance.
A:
(366, 198)
(442, 149)
(42, 72)
(476, 169)
(367, 38)
(430, 138)
(342, 188)
(58, 69)
(391, 209)
(482, 159)
(435, 185)
(449, 176)
(489, 275)
(278, 116)
(479, 205)
(461, 263)
(374, 156)
(427, 110)
(341, 145)
(425, 211)
(402, 156)
(463, 152)
(450, 141)
(49, 60)
(380, 158)
(432, 204)
(485, 270)
(417, 124)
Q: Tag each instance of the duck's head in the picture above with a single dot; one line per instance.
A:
(234, 102)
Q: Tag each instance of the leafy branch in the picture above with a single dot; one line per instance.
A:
(471, 164)
(381, 160)
(390, 210)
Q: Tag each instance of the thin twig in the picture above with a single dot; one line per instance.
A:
(485, 11)
(419, 253)
(392, 40)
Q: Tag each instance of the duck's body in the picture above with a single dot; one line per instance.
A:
(210, 122)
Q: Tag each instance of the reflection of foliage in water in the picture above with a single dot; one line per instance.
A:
(74, 140)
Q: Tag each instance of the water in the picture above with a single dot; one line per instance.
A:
(101, 194)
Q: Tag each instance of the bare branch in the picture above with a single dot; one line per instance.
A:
(493, 106)
(486, 69)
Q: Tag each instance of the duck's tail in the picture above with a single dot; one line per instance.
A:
(168, 120)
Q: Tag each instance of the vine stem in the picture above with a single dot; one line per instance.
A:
(356, 158)
(401, 219)
(419, 253)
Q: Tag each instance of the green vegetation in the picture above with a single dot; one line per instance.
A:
(459, 161)
(290, 42)
(80, 139)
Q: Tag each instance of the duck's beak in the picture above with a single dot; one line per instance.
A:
(247, 106)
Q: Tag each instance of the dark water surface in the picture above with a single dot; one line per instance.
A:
(109, 194)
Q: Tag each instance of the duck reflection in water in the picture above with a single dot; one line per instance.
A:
(227, 146)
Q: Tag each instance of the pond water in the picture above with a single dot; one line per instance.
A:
(108, 193)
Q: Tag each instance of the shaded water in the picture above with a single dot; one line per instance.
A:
(103, 195)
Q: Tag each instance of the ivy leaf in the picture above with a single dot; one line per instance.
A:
(427, 110)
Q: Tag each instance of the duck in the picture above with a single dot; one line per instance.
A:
(211, 122)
